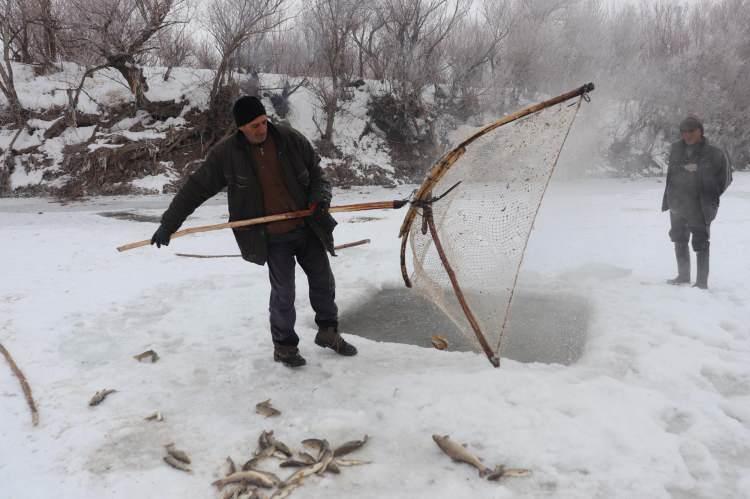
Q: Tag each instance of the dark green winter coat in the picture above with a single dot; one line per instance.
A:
(229, 164)
(696, 192)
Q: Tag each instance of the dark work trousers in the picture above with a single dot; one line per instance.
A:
(309, 252)
(681, 228)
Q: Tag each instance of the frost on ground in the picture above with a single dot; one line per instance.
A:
(655, 404)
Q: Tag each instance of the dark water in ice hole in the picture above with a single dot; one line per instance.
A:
(548, 328)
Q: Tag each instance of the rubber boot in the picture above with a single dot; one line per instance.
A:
(701, 280)
(682, 252)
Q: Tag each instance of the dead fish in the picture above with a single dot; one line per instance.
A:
(501, 471)
(458, 452)
(253, 477)
(307, 457)
(147, 355)
(283, 492)
(293, 463)
(99, 397)
(326, 459)
(231, 467)
(155, 417)
(279, 446)
(177, 464)
(316, 444)
(264, 441)
(253, 463)
(177, 454)
(234, 493)
(439, 342)
(350, 462)
(350, 446)
(266, 409)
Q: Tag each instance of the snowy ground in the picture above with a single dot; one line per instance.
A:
(657, 406)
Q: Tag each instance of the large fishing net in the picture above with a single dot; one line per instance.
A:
(467, 246)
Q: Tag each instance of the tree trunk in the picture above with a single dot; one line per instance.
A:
(133, 74)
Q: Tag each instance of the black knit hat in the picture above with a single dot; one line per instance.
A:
(246, 109)
(691, 123)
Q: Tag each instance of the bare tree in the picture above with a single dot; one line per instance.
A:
(415, 30)
(232, 23)
(369, 43)
(117, 34)
(11, 26)
(331, 23)
(174, 47)
(473, 46)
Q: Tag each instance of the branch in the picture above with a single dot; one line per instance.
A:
(24, 385)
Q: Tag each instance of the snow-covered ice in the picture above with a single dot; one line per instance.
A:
(657, 406)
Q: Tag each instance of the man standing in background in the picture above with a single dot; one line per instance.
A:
(270, 169)
(697, 176)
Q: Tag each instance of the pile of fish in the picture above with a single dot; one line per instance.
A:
(247, 482)
(460, 453)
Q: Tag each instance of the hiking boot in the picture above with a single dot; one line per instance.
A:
(288, 355)
(329, 337)
(701, 280)
(682, 252)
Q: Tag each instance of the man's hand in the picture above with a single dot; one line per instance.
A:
(320, 209)
(161, 237)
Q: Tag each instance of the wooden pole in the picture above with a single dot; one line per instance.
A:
(377, 205)
(338, 247)
(24, 385)
(494, 360)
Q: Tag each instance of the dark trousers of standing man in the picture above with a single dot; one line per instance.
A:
(304, 246)
(682, 227)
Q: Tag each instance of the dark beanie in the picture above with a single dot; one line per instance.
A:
(246, 109)
(691, 123)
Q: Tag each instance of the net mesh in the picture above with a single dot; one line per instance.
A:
(484, 223)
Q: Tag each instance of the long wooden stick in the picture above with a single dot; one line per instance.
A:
(494, 360)
(337, 247)
(377, 205)
(24, 385)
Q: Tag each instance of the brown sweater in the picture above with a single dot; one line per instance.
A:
(276, 197)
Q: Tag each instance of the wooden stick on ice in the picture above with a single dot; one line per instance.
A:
(24, 385)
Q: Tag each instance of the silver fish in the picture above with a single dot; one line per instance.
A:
(283, 492)
(501, 471)
(350, 446)
(253, 477)
(293, 463)
(304, 456)
(177, 454)
(316, 444)
(155, 417)
(326, 458)
(177, 464)
(279, 445)
(458, 452)
(147, 355)
(231, 467)
(99, 397)
(266, 409)
(350, 462)
(265, 440)
(302, 473)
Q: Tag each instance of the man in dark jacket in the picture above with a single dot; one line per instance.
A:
(697, 176)
(270, 169)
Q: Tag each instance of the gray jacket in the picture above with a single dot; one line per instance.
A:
(711, 179)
